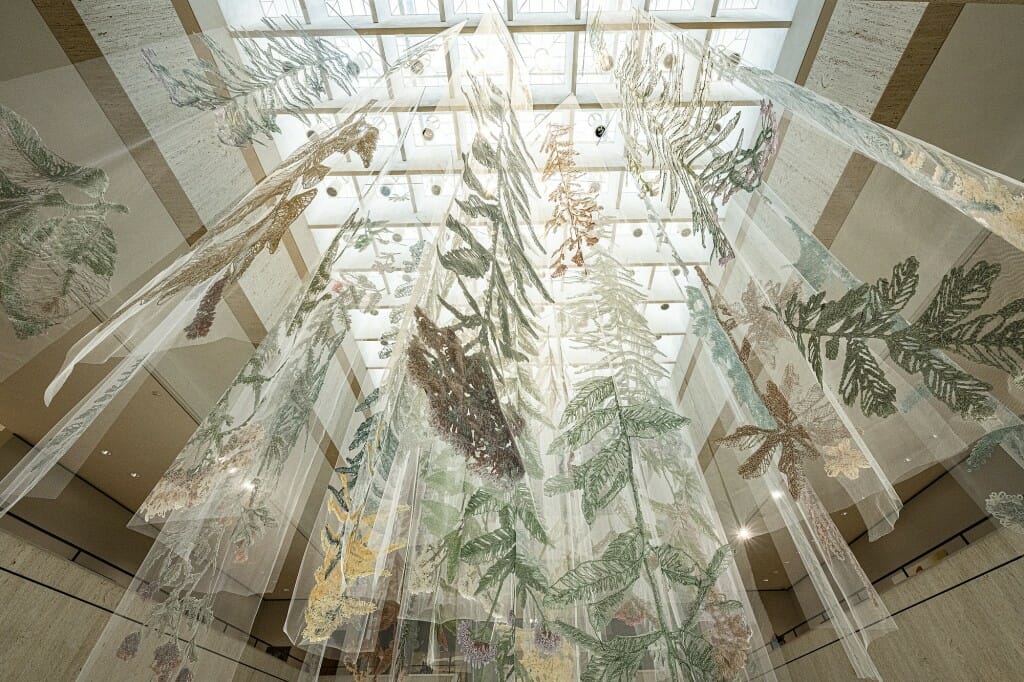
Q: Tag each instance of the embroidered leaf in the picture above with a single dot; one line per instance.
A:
(871, 312)
(275, 73)
(619, 659)
(465, 262)
(586, 428)
(590, 579)
(650, 421)
(983, 448)
(603, 476)
(526, 511)
(601, 611)
(575, 635)
(959, 295)
(530, 574)
(497, 573)
(676, 566)
(488, 546)
(46, 164)
(589, 396)
(863, 378)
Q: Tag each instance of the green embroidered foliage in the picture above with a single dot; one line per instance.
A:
(286, 74)
(609, 318)
(503, 316)
(1008, 509)
(981, 451)
(57, 256)
(706, 326)
(671, 127)
(596, 409)
(871, 312)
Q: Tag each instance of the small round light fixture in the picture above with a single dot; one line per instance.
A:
(669, 61)
(664, 306)
(353, 69)
(332, 191)
(638, 232)
(686, 232)
(599, 131)
(675, 272)
(396, 237)
(134, 474)
(105, 452)
(606, 62)
(417, 67)
(310, 133)
(385, 191)
(435, 190)
(743, 534)
(428, 134)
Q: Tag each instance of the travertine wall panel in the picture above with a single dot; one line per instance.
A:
(54, 612)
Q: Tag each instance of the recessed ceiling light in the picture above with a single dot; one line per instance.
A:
(134, 474)
(776, 495)
(743, 533)
(104, 452)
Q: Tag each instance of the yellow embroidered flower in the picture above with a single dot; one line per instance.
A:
(842, 458)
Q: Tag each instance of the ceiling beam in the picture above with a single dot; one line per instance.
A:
(426, 28)
(543, 103)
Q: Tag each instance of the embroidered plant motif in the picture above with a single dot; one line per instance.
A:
(606, 582)
(870, 314)
(274, 74)
(1007, 509)
(57, 253)
(669, 127)
(842, 458)
(464, 404)
(791, 422)
(574, 208)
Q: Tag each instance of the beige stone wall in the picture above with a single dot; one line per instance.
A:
(960, 620)
(54, 612)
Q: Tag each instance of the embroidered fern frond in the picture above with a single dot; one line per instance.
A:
(672, 130)
(57, 255)
(574, 208)
(870, 314)
(276, 74)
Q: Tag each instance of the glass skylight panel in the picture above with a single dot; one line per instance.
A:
(671, 5)
(591, 70)
(545, 56)
(542, 7)
(733, 40)
(275, 9)
(433, 129)
(364, 53)
(433, 71)
(738, 4)
(347, 8)
(402, 8)
(464, 7)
